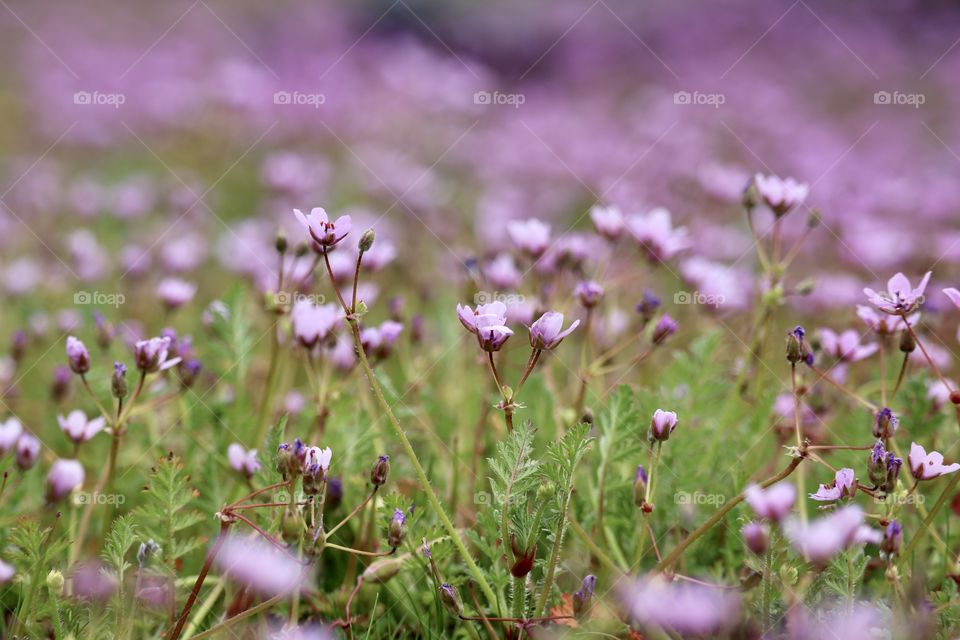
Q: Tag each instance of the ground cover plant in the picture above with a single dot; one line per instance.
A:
(612, 320)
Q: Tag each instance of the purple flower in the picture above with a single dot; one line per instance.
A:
(583, 598)
(151, 355)
(655, 234)
(822, 539)
(243, 462)
(502, 272)
(899, 298)
(316, 462)
(781, 195)
(78, 428)
(6, 572)
(685, 608)
(531, 236)
(10, 432)
(259, 565)
(756, 536)
(588, 293)
(28, 451)
(488, 322)
(78, 356)
(324, 233)
(846, 345)
(665, 328)
(313, 323)
(92, 581)
(842, 486)
(379, 341)
(662, 425)
(64, 476)
(954, 296)
(174, 292)
(648, 305)
(608, 221)
(773, 503)
(546, 332)
(927, 466)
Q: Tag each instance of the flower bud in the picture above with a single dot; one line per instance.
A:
(280, 242)
(665, 328)
(78, 356)
(318, 541)
(382, 570)
(380, 471)
(301, 249)
(60, 387)
(55, 582)
(893, 472)
(292, 525)
(64, 476)
(892, 537)
(885, 424)
(797, 348)
(118, 384)
(366, 241)
(662, 425)
(648, 306)
(18, 345)
(397, 529)
(287, 465)
(877, 466)
(146, 551)
(908, 343)
(522, 558)
(583, 599)
(806, 287)
(450, 598)
(755, 537)
(28, 451)
(640, 486)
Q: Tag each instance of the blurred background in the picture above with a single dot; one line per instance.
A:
(164, 137)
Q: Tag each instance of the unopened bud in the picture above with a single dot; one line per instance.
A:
(806, 287)
(301, 249)
(397, 528)
(382, 570)
(55, 582)
(885, 423)
(118, 384)
(366, 241)
(583, 599)
(522, 558)
(451, 599)
(813, 220)
(281, 242)
(797, 349)
(640, 486)
(908, 343)
(380, 471)
(292, 525)
(755, 537)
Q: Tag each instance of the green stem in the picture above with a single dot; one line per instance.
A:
(519, 599)
(263, 423)
(678, 551)
(554, 559)
(418, 468)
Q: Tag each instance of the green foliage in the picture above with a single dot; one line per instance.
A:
(167, 515)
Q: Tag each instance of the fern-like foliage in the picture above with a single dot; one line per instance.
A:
(167, 514)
